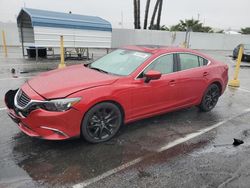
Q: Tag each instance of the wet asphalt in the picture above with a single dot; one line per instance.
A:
(208, 160)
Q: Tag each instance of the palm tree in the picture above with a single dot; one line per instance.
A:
(153, 15)
(207, 29)
(158, 7)
(159, 15)
(164, 28)
(146, 14)
(191, 25)
(177, 27)
(138, 14)
(135, 14)
(245, 30)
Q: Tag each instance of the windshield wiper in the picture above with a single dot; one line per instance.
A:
(86, 64)
(100, 70)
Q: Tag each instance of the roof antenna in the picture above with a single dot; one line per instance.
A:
(24, 4)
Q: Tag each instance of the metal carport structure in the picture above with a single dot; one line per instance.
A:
(41, 28)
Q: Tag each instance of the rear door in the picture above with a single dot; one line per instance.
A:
(193, 78)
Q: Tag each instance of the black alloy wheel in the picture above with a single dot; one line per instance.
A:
(210, 98)
(101, 122)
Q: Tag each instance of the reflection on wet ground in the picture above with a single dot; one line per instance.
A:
(28, 162)
(197, 163)
(72, 161)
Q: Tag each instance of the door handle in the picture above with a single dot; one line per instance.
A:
(205, 73)
(172, 82)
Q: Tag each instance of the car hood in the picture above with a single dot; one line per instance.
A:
(63, 82)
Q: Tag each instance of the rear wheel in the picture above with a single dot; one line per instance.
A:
(101, 122)
(210, 98)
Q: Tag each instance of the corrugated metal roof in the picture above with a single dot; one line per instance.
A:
(66, 20)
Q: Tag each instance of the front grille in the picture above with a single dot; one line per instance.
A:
(22, 99)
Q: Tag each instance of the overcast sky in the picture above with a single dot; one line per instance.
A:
(216, 13)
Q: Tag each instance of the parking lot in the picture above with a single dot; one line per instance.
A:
(186, 148)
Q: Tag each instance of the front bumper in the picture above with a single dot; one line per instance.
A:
(44, 124)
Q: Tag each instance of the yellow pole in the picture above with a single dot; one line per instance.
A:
(235, 82)
(4, 44)
(62, 63)
(183, 45)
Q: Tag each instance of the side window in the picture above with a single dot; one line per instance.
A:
(188, 61)
(164, 64)
(203, 61)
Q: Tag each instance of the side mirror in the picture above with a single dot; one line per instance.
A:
(152, 75)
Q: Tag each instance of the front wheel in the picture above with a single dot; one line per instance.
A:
(101, 122)
(210, 98)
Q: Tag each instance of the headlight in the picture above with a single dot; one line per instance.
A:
(59, 105)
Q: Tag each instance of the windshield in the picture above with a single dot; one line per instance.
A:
(120, 62)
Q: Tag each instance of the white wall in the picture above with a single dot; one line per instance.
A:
(208, 41)
(122, 37)
(217, 41)
(11, 34)
(50, 37)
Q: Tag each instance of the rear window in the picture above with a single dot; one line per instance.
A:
(188, 61)
(203, 61)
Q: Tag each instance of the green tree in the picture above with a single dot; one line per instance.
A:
(177, 27)
(191, 25)
(245, 30)
(164, 28)
(206, 29)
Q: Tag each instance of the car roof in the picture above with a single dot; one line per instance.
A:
(154, 49)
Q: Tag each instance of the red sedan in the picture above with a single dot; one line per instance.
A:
(128, 84)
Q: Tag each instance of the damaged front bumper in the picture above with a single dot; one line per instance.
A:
(15, 114)
(41, 123)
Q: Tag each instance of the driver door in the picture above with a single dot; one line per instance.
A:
(157, 95)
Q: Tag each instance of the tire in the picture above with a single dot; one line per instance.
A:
(243, 58)
(101, 122)
(247, 58)
(210, 98)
